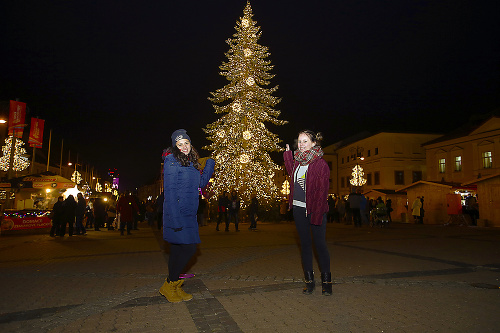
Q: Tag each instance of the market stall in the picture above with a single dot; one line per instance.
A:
(32, 198)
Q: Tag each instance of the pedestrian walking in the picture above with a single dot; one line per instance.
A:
(127, 208)
(416, 207)
(81, 205)
(234, 208)
(99, 214)
(223, 207)
(308, 198)
(69, 210)
(89, 213)
(181, 182)
(111, 213)
(252, 212)
(57, 217)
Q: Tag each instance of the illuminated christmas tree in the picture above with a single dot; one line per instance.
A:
(21, 162)
(357, 176)
(240, 141)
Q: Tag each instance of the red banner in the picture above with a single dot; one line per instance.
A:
(16, 118)
(36, 133)
(12, 223)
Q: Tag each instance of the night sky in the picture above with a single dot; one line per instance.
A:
(116, 78)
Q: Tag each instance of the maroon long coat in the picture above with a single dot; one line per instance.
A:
(127, 207)
(317, 184)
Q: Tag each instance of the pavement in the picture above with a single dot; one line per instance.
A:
(404, 278)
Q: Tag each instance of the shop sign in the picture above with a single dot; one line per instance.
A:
(34, 222)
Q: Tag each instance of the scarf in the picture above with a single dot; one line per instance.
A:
(308, 156)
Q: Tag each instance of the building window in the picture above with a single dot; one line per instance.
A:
(416, 176)
(368, 153)
(342, 160)
(487, 160)
(376, 151)
(376, 176)
(458, 163)
(399, 177)
(347, 158)
(342, 182)
(442, 165)
(368, 179)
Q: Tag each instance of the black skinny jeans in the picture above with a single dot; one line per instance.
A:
(180, 254)
(305, 229)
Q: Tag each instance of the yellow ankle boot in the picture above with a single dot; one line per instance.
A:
(169, 290)
(182, 294)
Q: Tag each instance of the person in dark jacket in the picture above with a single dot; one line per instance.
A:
(252, 213)
(80, 214)
(181, 183)
(69, 209)
(234, 208)
(308, 198)
(127, 208)
(99, 214)
(223, 207)
(57, 217)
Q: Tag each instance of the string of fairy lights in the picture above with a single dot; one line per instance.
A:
(240, 141)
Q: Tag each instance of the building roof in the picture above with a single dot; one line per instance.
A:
(475, 181)
(443, 184)
(474, 123)
(386, 192)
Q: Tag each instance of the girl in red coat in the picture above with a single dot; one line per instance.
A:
(308, 199)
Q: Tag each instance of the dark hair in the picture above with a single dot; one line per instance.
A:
(184, 159)
(313, 136)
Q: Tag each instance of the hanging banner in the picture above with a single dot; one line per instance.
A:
(36, 133)
(16, 118)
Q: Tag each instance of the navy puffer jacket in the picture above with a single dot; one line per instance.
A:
(180, 205)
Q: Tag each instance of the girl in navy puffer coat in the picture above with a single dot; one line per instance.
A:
(182, 180)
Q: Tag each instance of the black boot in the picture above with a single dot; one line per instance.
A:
(326, 283)
(309, 280)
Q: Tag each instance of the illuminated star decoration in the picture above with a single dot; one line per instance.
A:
(240, 141)
(20, 162)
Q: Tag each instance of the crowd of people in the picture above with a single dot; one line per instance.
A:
(77, 216)
(358, 210)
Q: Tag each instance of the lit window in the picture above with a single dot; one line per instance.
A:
(458, 163)
(442, 165)
(487, 160)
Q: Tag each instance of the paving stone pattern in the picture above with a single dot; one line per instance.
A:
(405, 278)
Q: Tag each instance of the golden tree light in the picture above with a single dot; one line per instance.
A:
(240, 142)
(285, 187)
(357, 176)
(76, 177)
(20, 161)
